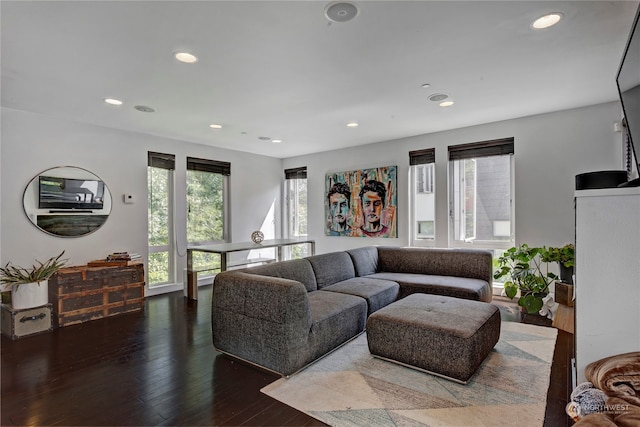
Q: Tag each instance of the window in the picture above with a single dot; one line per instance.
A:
(481, 188)
(160, 183)
(422, 198)
(424, 178)
(296, 208)
(206, 213)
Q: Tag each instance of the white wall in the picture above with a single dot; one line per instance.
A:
(32, 143)
(550, 149)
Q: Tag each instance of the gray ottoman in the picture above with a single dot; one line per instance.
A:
(446, 336)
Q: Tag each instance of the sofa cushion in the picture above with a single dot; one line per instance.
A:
(332, 268)
(377, 292)
(365, 260)
(296, 269)
(450, 286)
(335, 319)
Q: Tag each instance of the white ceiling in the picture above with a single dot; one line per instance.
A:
(281, 69)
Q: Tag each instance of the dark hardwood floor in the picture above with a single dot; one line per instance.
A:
(559, 391)
(158, 368)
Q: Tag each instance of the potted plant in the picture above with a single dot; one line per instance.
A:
(526, 271)
(566, 259)
(29, 286)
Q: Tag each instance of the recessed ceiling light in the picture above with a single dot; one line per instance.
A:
(264, 138)
(215, 126)
(426, 85)
(113, 101)
(185, 57)
(352, 124)
(547, 21)
(446, 104)
(276, 141)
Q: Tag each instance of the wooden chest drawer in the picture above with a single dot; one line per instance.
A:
(86, 293)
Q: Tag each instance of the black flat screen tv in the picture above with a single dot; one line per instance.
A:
(628, 81)
(70, 193)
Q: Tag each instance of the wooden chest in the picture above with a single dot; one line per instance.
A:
(80, 294)
(22, 323)
(564, 293)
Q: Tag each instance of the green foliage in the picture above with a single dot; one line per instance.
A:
(158, 190)
(158, 219)
(205, 217)
(158, 267)
(206, 260)
(205, 207)
(565, 255)
(531, 303)
(300, 251)
(526, 271)
(35, 274)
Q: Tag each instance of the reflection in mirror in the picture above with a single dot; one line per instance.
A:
(67, 201)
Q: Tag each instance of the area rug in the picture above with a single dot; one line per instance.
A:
(350, 387)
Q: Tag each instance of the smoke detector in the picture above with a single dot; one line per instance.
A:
(340, 12)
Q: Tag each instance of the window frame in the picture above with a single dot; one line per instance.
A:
(475, 150)
(421, 162)
(216, 167)
(165, 162)
(292, 178)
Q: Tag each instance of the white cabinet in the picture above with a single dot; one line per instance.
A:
(607, 285)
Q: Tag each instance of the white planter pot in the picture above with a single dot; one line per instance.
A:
(29, 295)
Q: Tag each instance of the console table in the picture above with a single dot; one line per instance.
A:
(224, 249)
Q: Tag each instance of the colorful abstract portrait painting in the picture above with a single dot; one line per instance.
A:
(361, 203)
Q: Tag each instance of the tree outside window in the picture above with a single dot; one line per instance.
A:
(206, 224)
(160, 183)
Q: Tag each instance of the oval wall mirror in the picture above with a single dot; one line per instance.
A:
(67, 201)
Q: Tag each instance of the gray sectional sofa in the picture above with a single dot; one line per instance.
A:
(283, 316)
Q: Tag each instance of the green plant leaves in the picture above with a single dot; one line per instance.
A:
(36, 273)
(564, 255)
(526, 270)
(511, 289)
(532, 303)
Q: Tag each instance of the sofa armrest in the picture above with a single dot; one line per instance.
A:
(272, 299)
(264, 320)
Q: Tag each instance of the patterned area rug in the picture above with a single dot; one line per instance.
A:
(350, 387)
